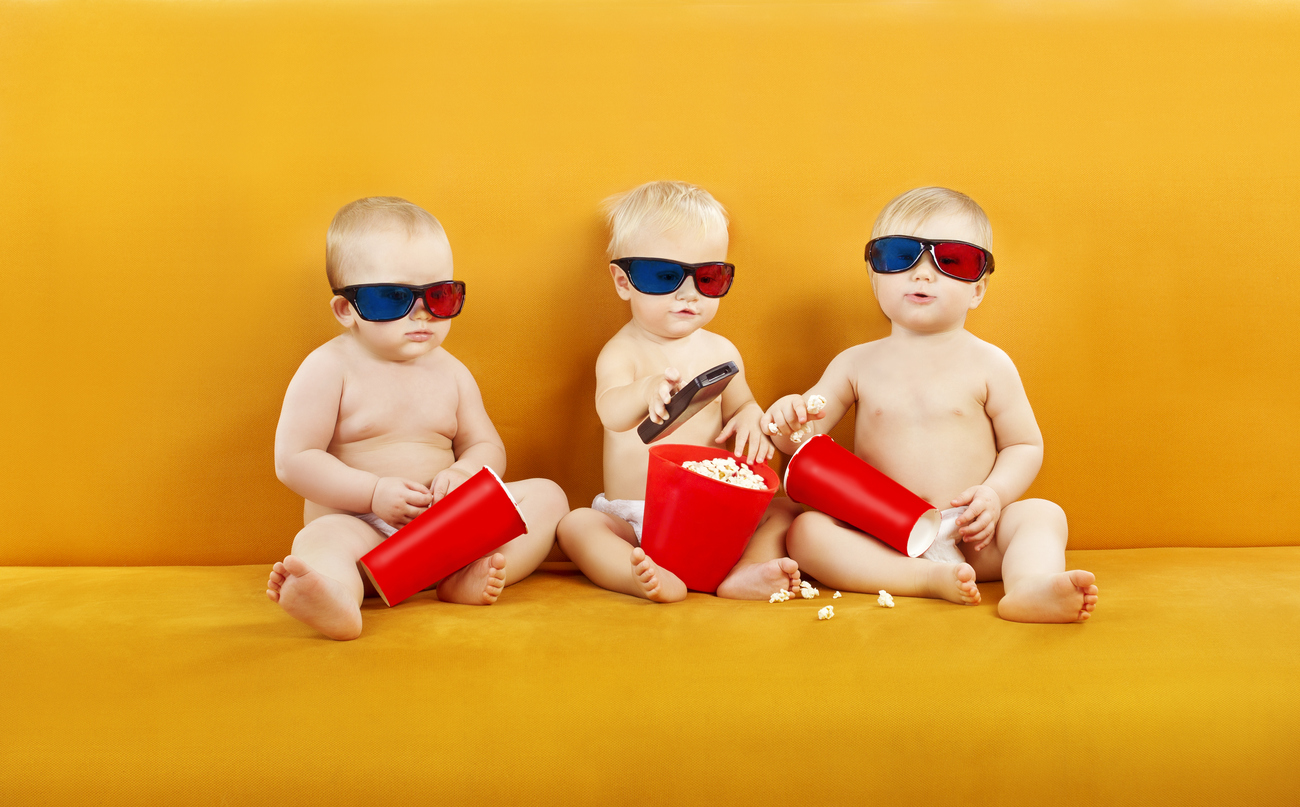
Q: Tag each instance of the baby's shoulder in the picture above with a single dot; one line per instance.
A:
(986, 355)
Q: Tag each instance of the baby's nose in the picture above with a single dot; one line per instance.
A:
(419, 310)
(687, 290)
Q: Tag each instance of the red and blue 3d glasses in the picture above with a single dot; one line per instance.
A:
(891, 254)
(385, 302)
(662, 276)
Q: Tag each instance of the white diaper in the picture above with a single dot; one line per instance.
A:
(379, 524)
(944, 549)
(630, 510)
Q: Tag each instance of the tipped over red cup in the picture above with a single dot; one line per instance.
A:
(462, 527)
(695, 526)
(832, 479)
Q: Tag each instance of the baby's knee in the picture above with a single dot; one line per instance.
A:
(1040, 511)
(340, 534)
(542, 496)
(804, 529)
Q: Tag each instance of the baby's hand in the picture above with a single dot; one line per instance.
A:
(787, 415)
(397, 500)
(661, 392)
(744, 425)
(983, 509)
(448, 480)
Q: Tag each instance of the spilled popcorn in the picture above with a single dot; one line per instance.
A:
(815, 404)
(836, 596)
(780, 596)
(727, 470)
(807, 591)
(885, 599)
(826, 613)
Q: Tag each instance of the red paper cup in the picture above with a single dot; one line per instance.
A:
(695, 526)
(837, 482)
(465, 525)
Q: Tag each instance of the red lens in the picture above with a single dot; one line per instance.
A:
(713, 280)
(445, 299)
(962, 261)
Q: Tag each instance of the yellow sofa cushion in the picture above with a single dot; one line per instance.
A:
(187, 686)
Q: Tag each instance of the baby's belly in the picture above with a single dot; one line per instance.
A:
(936, 464)
(418, 462)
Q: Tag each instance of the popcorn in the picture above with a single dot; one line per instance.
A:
(772, 428)
(780, 596)
(815, 404)
(727, 470)
(806, 590)
(826, 613)
(836, 596)
(885, 599)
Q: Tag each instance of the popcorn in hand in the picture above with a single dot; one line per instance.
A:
(826, 613)
(772, 428)
(885, 599)
(725, 469)
(815, 404)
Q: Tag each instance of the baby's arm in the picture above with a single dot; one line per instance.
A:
(476, 443)
(742, 414)
(303, 462)
(622, 399)
(1020, 453)
(790, 413)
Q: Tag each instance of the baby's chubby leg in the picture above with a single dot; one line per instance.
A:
(604, 549)
(840, 556)
(764, 569)
(1031, 542)
(542, 504)
(319, 583)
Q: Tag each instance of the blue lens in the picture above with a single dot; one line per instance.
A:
(895, 254)
(383, 303)
(655, 277)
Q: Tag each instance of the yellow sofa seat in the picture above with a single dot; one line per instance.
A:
(184, 685)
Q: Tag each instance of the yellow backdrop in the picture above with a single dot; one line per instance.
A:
(168, 171)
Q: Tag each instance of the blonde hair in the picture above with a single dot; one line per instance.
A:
(910, 209)
(369, 215)
(661, 206)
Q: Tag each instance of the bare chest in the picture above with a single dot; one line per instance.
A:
(409, 406)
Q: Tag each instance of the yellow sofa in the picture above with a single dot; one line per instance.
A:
(170, 168)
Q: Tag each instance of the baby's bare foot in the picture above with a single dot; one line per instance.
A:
(758, 581)
(1063, 597)
(954, 582)
(311, 597)
(656, 584)
(479, 583)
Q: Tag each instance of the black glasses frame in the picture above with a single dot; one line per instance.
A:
(688, 270)
(928, 246)
(349, 293)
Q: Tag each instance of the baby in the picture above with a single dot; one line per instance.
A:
(381, 422)
(669, 246)
(945, 415)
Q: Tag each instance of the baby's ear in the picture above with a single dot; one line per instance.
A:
(342, 310)
(621, 283)
(981, 286)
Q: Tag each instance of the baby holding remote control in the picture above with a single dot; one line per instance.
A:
(669, 248)
(945, 415)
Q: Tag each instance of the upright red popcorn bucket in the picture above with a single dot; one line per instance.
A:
(696, 526)
(834, 480)
(462, 527)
